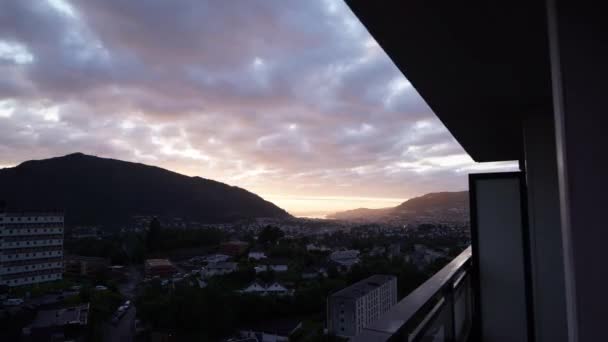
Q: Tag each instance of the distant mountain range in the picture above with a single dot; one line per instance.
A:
(437, 206)
(93, 190)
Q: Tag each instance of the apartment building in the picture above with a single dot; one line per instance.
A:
(31, 247)
(355, 307)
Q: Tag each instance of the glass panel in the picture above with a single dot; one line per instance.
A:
(462, 308)
(435, 327)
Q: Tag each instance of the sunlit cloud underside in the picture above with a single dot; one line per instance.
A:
(292, 100)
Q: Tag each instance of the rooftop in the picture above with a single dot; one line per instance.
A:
(364, 286)
(32, 213)
(71, 315)
(158, 262)
(223, 264)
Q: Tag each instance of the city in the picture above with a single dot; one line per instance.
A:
(302, 171)
(158, 278)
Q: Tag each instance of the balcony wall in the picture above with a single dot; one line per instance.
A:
(439, 310)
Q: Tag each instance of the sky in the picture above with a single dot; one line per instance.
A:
(290, 99)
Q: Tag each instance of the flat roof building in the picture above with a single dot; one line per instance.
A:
(353, 308)
(31, 247)
(58, 324)
(159, 267)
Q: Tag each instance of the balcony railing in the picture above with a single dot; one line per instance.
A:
(439, 310)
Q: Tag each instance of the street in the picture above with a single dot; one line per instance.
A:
(124, 330)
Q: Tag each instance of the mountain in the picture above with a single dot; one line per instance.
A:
(441, 206)
(93, 190)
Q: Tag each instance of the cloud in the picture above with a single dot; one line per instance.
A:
(281, 97)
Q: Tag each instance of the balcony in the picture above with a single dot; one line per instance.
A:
(439, 310)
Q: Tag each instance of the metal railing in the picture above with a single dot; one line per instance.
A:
(439, 310)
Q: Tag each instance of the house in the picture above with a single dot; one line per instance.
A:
(423, 256)
(256, 255)
(345, 258)
(272, 331)
(311, 247)
(62, 324)
(272, 265)
(85, 266)
(254, 287)
(234, 248)
(159, 267)
(219, 268)
(312, 273)
(377, 251)
(277, 289)
(266, 289)
(215, 258)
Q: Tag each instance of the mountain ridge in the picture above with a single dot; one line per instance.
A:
(450, 205)
(96, 190)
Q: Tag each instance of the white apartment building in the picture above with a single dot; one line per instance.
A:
(359, 305)
(31, 248)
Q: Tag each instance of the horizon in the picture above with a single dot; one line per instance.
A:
(297, 103)
(283, 201)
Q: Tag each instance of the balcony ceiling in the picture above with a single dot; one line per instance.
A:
(481, 67)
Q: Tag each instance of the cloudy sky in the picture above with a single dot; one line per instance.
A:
(291, 99)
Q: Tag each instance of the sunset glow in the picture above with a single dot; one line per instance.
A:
(292, 100)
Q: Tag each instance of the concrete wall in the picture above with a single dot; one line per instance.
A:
(545, 229)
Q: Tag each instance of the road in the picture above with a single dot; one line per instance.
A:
(124, 330)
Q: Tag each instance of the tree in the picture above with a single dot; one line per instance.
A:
(153, 234)
(270, 235)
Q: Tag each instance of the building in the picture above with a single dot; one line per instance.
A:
(234, 248)
(313, 273)
(219, 268)
(31, 248)
(65, 324)
(159, 267)
(422, 256)
(359, 305)
(85, 233)
(311, 247)
(377, 251)
(520, 82)
(345, 258)
(256, 255)
(266, 289)
(394, 250)
(78, 265)
(211, 259)
(272, 265)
